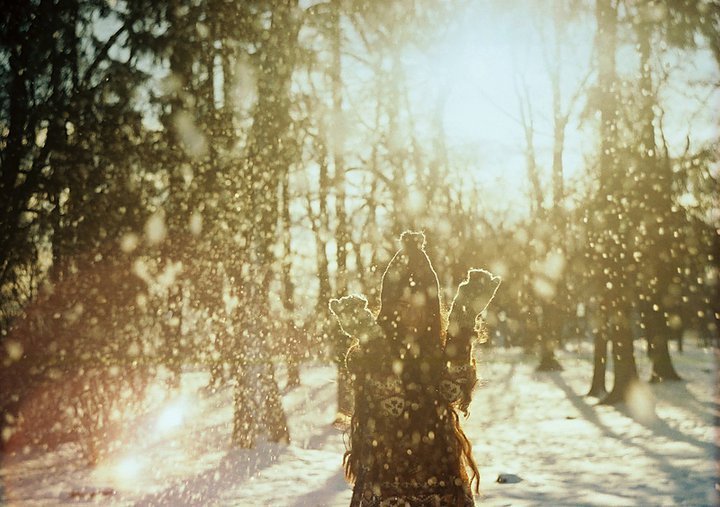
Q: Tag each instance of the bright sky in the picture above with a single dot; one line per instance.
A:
(479, 68)
(480, 65)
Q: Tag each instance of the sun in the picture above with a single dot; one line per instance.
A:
(476, 89)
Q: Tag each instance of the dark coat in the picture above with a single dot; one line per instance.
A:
(406, 439)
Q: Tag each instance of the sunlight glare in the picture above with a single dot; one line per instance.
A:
(128, 469)
(172, 417)
(641, 403)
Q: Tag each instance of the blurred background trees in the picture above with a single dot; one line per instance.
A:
(189, 183)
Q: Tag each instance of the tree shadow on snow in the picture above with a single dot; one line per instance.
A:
(497, 397)
(327, 494)
(671, 392)
(318, 440)
(661, 428)
(210, 486)
(656, 425)
(303, 400)
(578, 401)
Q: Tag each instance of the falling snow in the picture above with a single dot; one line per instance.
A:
(191, 192)
(658, 451)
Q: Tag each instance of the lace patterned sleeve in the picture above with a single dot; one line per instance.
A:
(458, 384)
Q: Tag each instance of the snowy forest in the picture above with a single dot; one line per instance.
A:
(185, 185)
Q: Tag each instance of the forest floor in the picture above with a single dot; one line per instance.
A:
(553, 445)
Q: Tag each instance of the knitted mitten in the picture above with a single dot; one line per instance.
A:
(357, 321)
(355, 318)
(473, 296)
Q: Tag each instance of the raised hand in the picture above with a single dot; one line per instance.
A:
(355, 318)
(357, 322)
(473, 296)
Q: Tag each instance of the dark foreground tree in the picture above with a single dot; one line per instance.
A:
(611, 261)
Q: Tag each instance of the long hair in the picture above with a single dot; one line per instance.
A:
(410, 283)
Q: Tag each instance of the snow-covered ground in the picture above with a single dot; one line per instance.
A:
(556, 446)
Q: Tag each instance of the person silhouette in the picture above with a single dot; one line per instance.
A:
(410, 378)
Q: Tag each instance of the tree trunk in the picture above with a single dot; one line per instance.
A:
(597, 387)
(320, 229)
(662, 367)
(526, 118)
(656, 329)
(612, 237)
(654, 198)
(559, 119)
(342, 237)
(290, 336)
(245, 428)
(548, 361)
(270, 153)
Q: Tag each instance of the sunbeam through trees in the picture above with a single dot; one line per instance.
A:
(186, 185)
